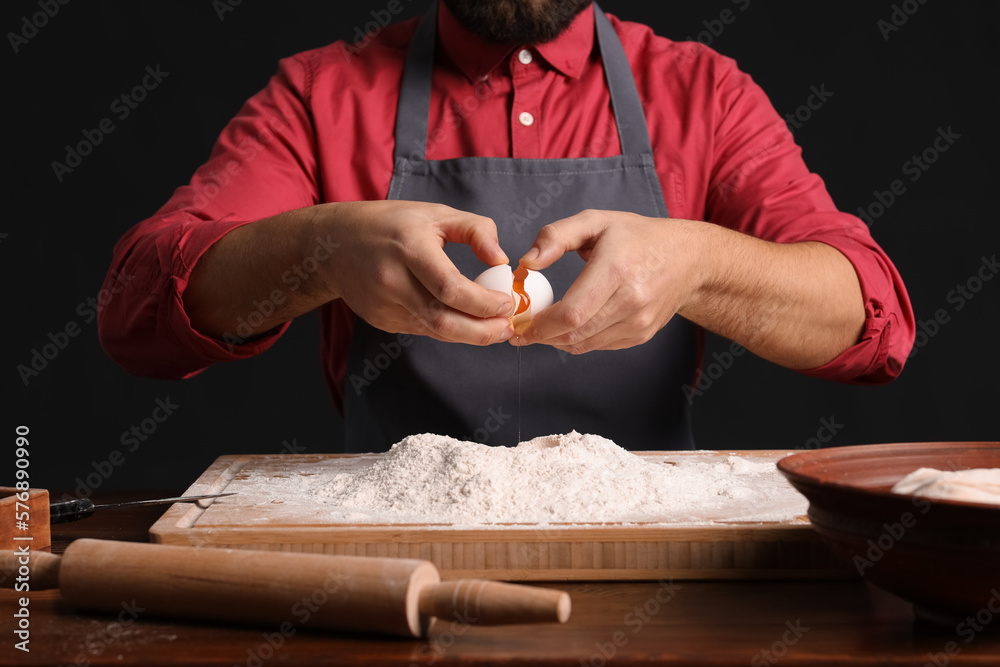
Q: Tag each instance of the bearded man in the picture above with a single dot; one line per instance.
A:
(650, 180)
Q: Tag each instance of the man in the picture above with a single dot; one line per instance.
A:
(375, 191)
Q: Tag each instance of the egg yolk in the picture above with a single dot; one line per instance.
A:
(522, 317)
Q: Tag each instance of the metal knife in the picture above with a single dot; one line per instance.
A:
(81, 508)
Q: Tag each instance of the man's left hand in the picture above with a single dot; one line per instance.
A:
(798, 304)
(640, 271)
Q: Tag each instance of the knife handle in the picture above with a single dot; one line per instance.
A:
(71, 510)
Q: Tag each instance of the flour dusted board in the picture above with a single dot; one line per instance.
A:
(273, 511)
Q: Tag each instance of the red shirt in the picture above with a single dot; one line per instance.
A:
(322, 130)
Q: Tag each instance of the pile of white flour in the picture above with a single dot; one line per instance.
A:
(569, 478)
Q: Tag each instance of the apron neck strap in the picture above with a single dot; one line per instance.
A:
(413, 110)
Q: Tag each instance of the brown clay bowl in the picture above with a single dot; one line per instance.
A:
(944, 556)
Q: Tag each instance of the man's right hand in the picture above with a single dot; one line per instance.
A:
(394, 273)
(385, 259)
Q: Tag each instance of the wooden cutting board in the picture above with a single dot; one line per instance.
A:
(718, 547)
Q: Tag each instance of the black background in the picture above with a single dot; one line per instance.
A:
(890, 97)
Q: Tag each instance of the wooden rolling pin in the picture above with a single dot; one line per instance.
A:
(384, 595)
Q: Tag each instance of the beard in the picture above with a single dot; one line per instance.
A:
(516, 21)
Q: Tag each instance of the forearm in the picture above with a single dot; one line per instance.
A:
(385, 259)
(797, 304)
(262, 274)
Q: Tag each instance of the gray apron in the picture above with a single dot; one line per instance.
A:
(399, 385)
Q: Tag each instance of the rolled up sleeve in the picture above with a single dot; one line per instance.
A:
(889, 329)
(760, 185)
(262, 164)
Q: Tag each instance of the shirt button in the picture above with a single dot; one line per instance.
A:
(524, 55)
(526, 118)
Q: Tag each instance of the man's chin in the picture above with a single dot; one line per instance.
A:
(516, 21)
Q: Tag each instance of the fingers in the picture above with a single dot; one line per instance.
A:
(440, 321)
(626, 292)
(443, 314)
(605, 324)
(576, 316)
(450, 326)
(438, 275)
(420, 313)
(581, 313)
(476, 231)
(578, 232)
(620, 332)
(399, 278)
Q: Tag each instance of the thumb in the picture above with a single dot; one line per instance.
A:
(578, 232)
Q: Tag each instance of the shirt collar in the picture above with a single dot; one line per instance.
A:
(567, 53)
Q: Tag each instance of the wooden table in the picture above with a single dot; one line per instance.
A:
(684, 623)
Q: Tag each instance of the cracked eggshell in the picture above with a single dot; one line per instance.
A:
(501, 279)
